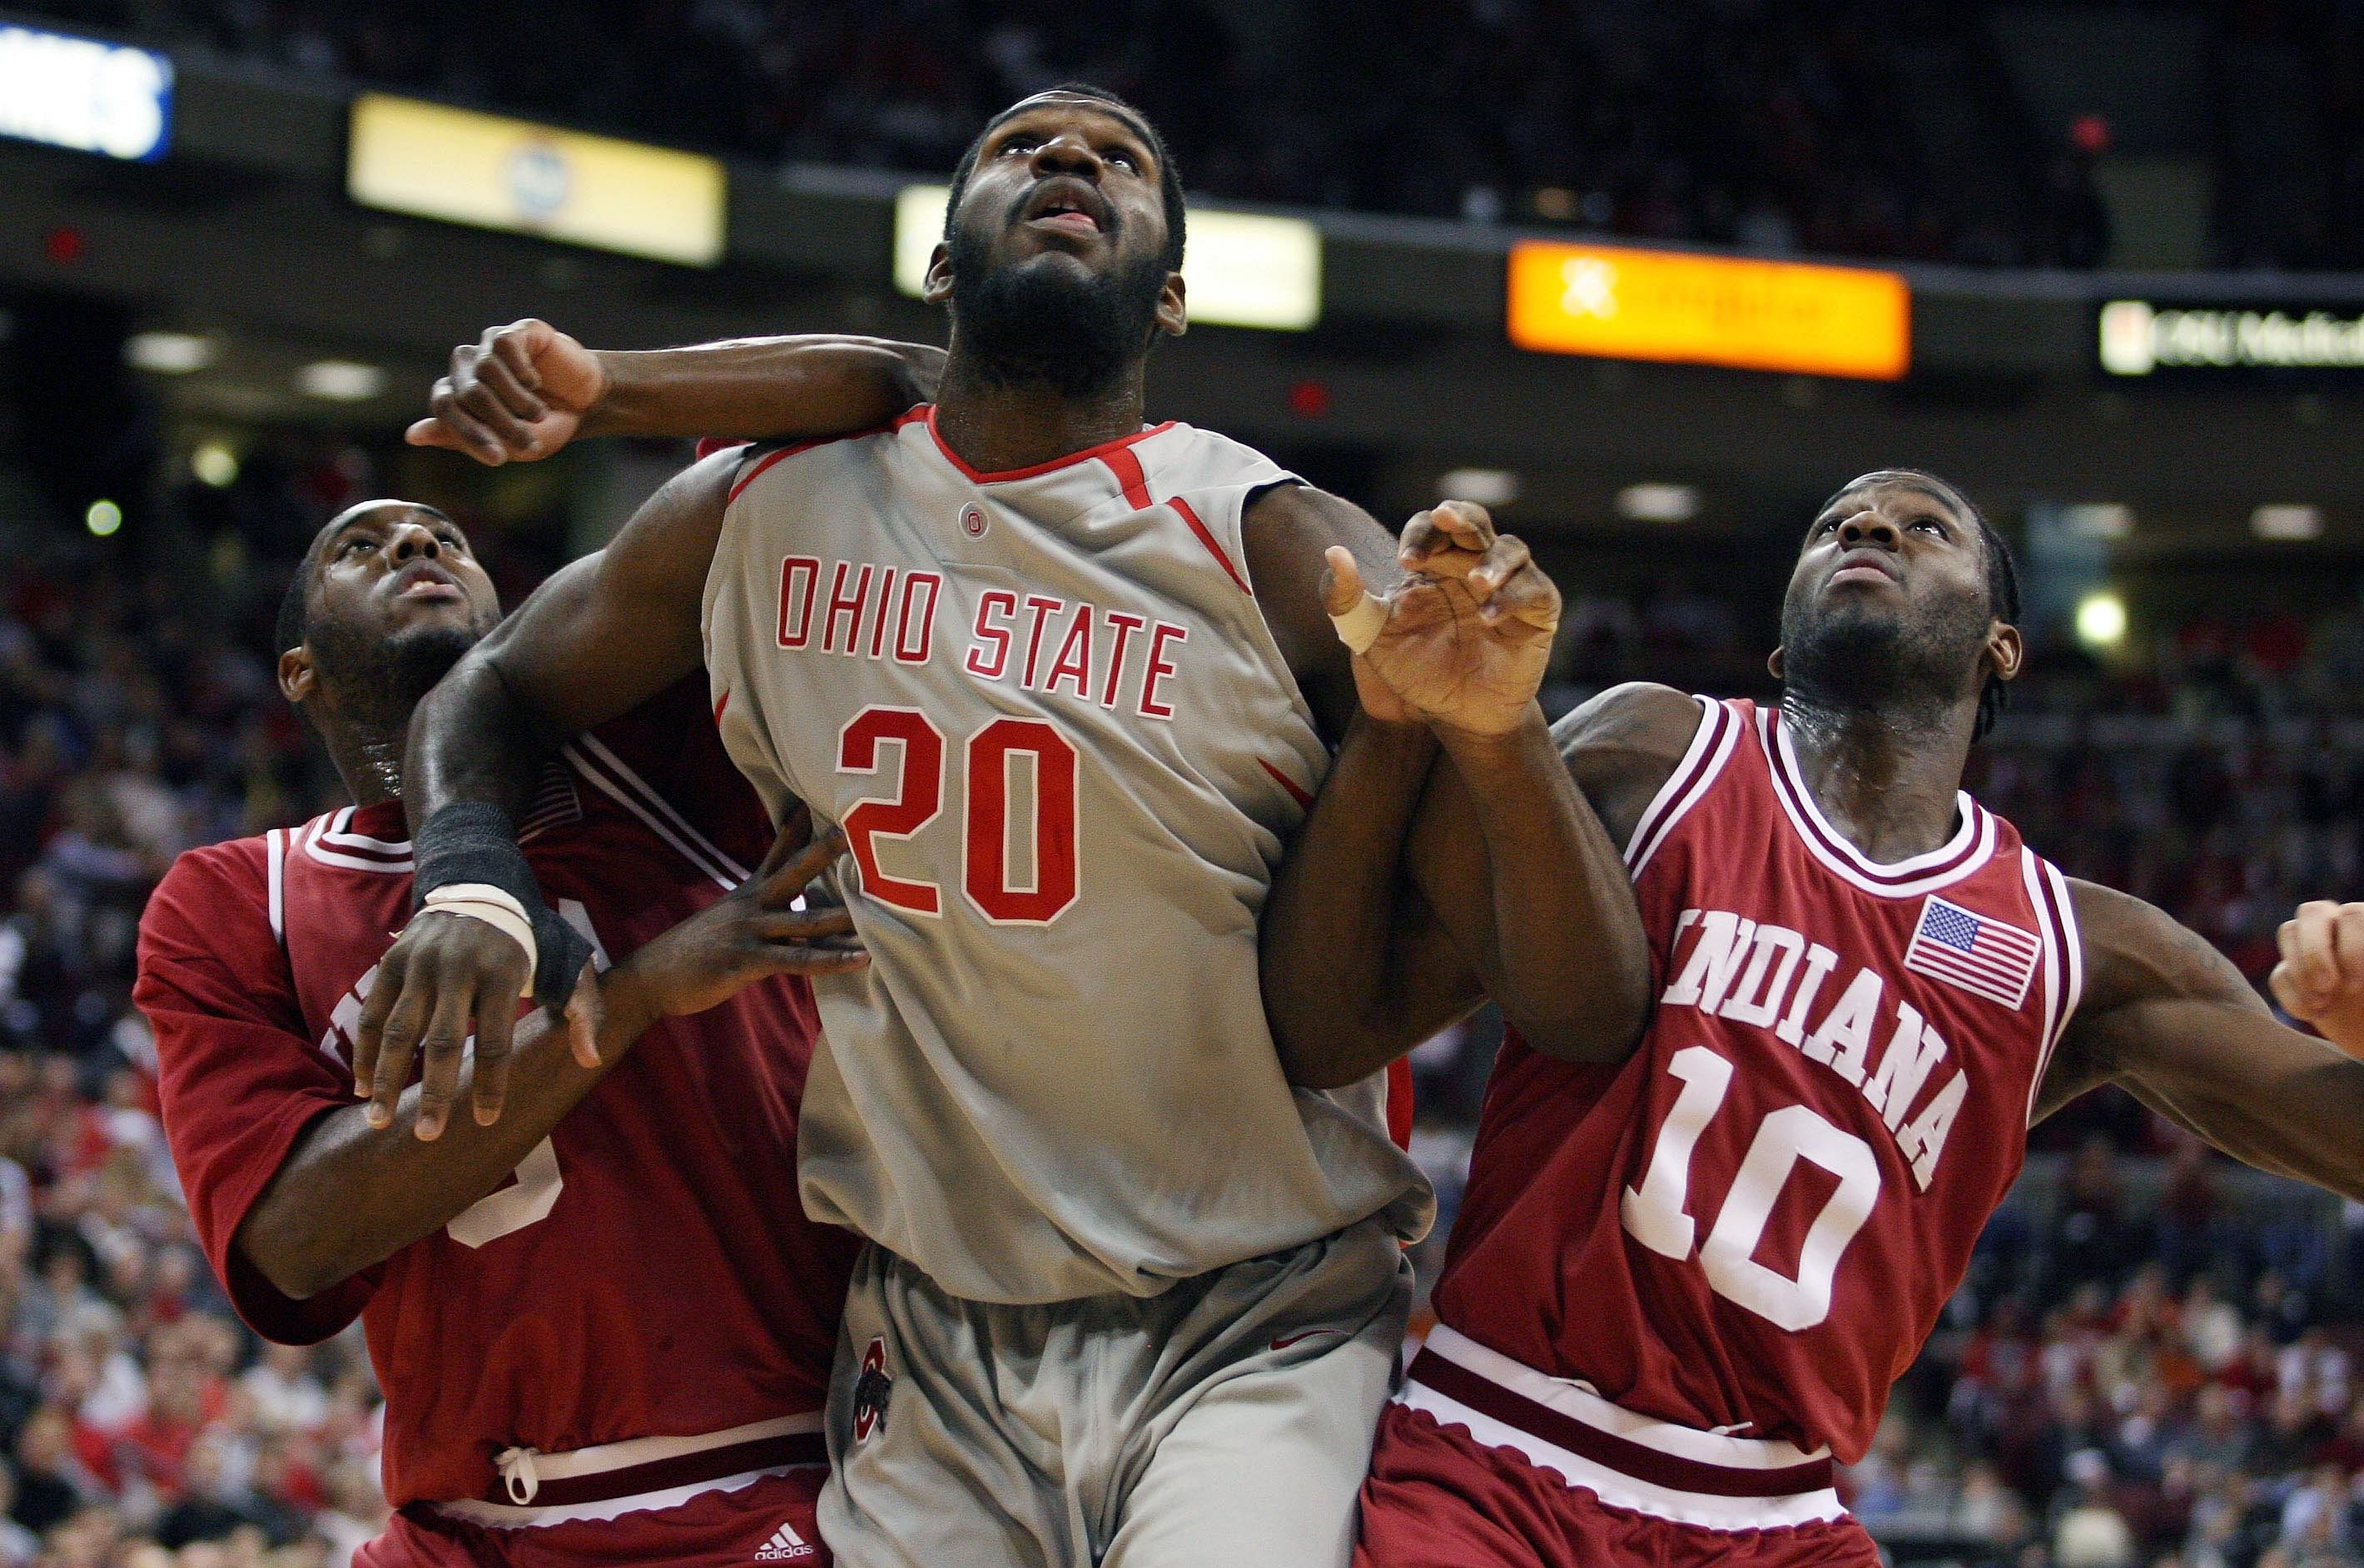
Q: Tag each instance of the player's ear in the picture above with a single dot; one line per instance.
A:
(2004, 650)
(1173, 307)
(1773, 663)
(297, 679)
(938, 287)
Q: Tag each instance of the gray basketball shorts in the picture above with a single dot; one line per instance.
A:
(1226, 1421)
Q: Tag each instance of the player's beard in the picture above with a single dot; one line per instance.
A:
(1852, 660)
(380, 680)
(1032, 324)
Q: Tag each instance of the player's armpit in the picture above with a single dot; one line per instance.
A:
(2170, 1020)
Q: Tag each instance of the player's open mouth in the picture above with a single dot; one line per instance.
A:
(430, 583)
(1071, 210)
(1864, 566)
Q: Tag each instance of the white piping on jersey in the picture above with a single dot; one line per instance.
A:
(1718, 733)
(274, 854)
(504, 1516)
(2064, 975)
(315, 832)
(337, 833)
(523, 1469)
(1970, 848)
(652, 809)
(1614, 1487)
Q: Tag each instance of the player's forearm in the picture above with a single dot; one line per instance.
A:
(757, 388)
(350, 1195)
(1562, 947)
(472, 739)
(1327, 928)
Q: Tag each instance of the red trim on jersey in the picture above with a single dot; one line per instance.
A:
(1627, 1458)
(768, 458)
(708, 445)
(663, 1475)
(720, 705)
(1400, 1102)
(1295, 791)
(1102, 450)
(1126, 465)
(1208, 538)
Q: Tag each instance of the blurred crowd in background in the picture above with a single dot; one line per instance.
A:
(1905, 128)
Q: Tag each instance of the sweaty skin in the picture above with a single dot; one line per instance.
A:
(619, 626)
(351, 1194)
(2164, 1014)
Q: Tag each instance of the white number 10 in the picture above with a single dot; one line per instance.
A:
(1657, 1212)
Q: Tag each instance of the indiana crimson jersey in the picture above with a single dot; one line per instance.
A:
(1753, 1224)
(647, 1270)
(1064, 749)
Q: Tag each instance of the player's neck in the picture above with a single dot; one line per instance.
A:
(1886, 781)
(996, 426)
(368, 757)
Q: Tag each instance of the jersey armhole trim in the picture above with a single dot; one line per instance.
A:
(274, 852)
(2064, 976)
(1701, 764)
(612, 777)
(752, 467)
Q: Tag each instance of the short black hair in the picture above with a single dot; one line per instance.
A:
(1169, 178)
(2002, 574)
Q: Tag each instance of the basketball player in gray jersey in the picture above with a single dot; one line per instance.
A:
(1067, 685)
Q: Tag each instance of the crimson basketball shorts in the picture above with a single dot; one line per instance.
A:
(769, 1520)
(1482, 1462)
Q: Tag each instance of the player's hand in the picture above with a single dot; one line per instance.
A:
(445, 974)
(518, 393)
(1468, 634)
(749, 934)
(2320, 980)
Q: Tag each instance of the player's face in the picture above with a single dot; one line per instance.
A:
(1890, 600)
(393, 571)
(1891, 549)
(1065, 186)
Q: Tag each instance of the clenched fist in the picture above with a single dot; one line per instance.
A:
(2320, 980)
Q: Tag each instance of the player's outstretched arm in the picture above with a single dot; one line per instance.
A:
(602, 636)
(351, 1193)
(2170, 1020)
(523, 391)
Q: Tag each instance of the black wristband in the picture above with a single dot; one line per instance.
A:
(474, 841)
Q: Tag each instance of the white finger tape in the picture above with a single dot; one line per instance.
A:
(1359, 627)
(495, 908)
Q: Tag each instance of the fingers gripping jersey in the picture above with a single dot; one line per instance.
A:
(1054, 723)
(1754, 1223)
(647, 1272)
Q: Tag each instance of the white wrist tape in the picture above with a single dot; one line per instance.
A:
(1359, 627)
(495, 908)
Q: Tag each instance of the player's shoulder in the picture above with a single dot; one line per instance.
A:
(1190, 457)
(1639, 716)
(209, 890)
(776, 462)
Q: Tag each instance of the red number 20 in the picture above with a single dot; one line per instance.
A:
(989, 758)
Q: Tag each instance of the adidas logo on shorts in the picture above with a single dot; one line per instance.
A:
(786, 1546)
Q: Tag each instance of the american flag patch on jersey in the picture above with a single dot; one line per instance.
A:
(1984, 956)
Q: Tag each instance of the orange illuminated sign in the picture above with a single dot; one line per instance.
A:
(1711, 310)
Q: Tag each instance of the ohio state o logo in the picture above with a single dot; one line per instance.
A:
(973, 520)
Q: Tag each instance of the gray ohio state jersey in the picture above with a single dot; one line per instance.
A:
(1046, 710)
